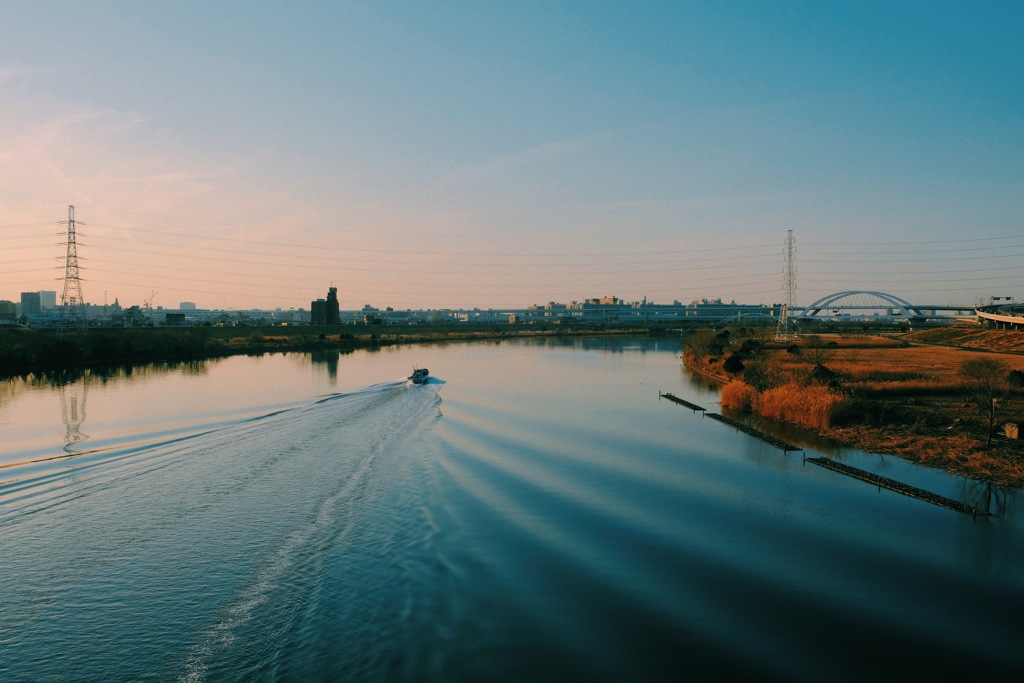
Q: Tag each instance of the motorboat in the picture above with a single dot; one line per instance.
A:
(419, 375)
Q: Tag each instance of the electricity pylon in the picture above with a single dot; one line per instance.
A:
(788, 288)
(72, 305)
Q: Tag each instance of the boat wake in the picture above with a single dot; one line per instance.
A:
(43, 480)
(208, 554)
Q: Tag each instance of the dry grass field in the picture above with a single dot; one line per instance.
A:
(904, 396)
(912, 368)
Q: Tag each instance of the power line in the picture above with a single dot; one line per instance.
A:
(223, 266)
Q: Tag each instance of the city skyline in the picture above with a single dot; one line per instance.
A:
(467, 155)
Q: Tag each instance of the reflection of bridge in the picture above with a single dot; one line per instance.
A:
(865, 305)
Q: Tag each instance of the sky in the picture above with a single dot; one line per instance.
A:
(458, 154)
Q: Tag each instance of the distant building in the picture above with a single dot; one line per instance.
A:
(187, 306)
(48, 300)
(8, 311)
(317, 312)
(332, 312)
(31, 304)
(135, 317)
(326, 311)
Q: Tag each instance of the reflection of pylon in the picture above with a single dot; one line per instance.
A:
(788, 288)
(72, 411)
(72, 312)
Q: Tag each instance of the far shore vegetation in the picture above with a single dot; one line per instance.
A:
(947, 397)
(43, 351)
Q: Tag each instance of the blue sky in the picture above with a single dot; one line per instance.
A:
(452, 154)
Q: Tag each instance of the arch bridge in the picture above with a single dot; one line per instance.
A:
(864, 304)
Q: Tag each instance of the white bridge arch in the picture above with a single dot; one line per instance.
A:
(869, 304)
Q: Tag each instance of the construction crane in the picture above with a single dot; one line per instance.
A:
(148, 303)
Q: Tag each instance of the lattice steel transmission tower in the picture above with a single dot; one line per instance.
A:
(788, 287)
(72, 308)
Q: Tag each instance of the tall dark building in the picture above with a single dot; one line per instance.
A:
(332, 314)
(317, 312)
(327, 312)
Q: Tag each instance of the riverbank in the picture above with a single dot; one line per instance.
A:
(900, 395)
(31, 351)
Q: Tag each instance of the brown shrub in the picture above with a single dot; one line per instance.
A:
(810, 406)
(738, 395)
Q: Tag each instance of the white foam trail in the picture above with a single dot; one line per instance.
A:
(221, 635)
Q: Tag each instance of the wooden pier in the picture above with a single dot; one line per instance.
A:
(675, 399)
(898, 487)
(836, 466)
(757, 433)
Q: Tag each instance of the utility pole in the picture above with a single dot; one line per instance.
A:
(72, 311)
(788, 287)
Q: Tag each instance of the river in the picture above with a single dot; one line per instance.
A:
(534, 512)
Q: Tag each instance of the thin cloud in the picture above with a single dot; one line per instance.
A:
(22, 76)
(540, 154)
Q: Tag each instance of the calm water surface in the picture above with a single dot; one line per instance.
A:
(536, 512)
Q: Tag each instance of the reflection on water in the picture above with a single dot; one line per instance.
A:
(995, 499)
(72, 410)
(991, 498)
(328, 360)
(318, 517)
(698, 380)
(790, 433)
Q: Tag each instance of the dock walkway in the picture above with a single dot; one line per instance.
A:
(836, 466)
(747, 429)
(683, 402)
(897, 486)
